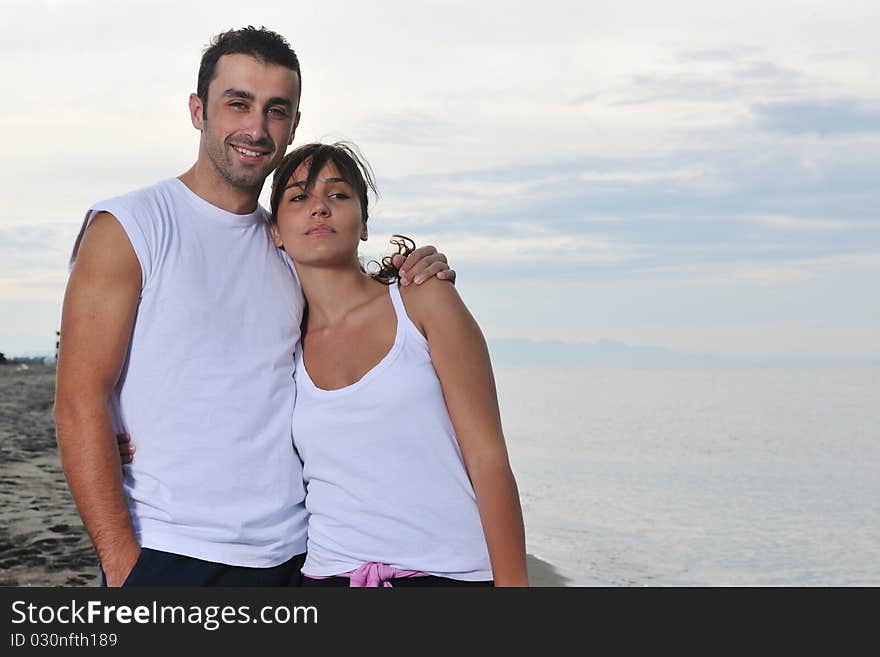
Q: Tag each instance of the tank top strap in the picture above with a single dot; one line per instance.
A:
(404, 323)
(397, 300)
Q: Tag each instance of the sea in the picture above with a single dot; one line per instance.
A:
(692, 475)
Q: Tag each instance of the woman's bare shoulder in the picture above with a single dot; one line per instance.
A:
(433, 298)
(432, 291)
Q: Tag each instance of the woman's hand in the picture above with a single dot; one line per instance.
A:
(126, 449)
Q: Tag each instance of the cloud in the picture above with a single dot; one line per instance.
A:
(38, 286)
(410, 128)
(757, 270)
(585, 99)
(798, 223)
(671, 149)
(825, 117)
(722, 79)
(640, 176)
(524, 251)
(742, 211)
(718, 54)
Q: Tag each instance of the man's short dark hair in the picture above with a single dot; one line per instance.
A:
(261, 44)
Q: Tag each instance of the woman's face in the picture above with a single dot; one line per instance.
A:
(320, 226)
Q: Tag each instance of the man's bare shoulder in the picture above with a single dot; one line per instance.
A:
(106, 246)
(103, 229)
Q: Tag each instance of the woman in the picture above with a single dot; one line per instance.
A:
(388, 504)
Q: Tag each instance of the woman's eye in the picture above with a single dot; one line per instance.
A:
(298, 197)
(339, 195)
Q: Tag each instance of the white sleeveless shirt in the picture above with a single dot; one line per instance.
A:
(384, 473)
(207, 389)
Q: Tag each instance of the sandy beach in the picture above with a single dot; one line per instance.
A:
(42, 540)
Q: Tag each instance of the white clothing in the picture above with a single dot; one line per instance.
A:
(207, 389)
(384, 473)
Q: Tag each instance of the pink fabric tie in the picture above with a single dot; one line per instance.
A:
(373, 575)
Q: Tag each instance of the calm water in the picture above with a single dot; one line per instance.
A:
(717, 475)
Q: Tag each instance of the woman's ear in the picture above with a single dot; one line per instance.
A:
(276, 234)
(364, 233)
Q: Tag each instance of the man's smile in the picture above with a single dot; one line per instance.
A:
(250, 154)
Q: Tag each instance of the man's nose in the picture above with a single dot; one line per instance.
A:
(256, 126)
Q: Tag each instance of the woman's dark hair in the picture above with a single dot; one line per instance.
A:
(388, 273)
(261, 44)
(355, 170)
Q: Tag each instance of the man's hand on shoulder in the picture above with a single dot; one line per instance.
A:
(423, 263)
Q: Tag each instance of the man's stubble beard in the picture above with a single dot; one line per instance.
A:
(249, 179)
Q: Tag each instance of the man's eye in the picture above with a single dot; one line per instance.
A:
(278, 112)
(238, 105)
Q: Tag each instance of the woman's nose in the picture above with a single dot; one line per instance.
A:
(320, 209)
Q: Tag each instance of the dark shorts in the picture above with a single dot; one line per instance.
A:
(396, 582)
(157, 568)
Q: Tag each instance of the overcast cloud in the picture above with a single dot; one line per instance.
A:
(700, 177)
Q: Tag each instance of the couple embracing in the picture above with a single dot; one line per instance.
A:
(296, 420)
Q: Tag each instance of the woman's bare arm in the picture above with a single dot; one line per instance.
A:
(461, 360)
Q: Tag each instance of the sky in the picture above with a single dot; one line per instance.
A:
(697, 176)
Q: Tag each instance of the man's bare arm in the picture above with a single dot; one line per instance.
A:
(96, 322)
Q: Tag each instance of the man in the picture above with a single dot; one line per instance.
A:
(178, 326)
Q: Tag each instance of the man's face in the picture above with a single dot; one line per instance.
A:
(252, 113)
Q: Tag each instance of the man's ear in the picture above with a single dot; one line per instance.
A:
(277, 235)
(293, 129)
(196, 112)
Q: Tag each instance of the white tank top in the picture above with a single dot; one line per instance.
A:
(207, 390)
(384, 474)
